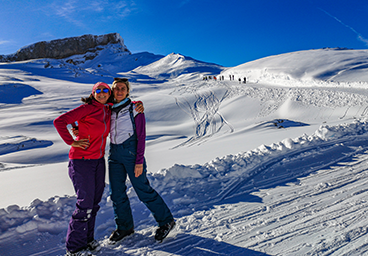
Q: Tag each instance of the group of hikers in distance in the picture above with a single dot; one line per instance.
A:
(222, 78)
(108, 111)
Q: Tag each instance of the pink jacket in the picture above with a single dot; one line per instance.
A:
(94, 125)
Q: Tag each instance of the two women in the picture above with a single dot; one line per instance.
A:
(87, 165)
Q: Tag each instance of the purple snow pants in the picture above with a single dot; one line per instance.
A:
(88, 177)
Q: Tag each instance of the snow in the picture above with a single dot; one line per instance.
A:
(276, 166)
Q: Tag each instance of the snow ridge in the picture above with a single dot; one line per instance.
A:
(243, 164)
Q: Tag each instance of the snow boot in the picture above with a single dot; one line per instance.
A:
(117, 234)
(164, 230)
(79, 253)
(94, 246)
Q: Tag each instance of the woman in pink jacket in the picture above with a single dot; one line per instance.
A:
(86, 164)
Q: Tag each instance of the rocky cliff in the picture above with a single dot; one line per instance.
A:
(63, 48)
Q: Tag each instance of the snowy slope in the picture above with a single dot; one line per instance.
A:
(272, 167)
(308, 68)
(176, 64)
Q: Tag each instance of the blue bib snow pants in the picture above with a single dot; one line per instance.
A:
(121, 163)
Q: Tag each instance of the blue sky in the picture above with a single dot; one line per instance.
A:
(228, 32)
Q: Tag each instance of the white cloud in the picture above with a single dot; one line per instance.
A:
(123, 9)
(363, 40)
(4, 42)
(360, 37)
(71, 10)
(68, 10)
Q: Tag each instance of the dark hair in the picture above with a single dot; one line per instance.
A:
(89, 99)
(120, 80)
(111, 98)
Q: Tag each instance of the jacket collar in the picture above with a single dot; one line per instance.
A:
(98, 104)
(119, 106)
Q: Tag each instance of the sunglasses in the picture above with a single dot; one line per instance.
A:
(105, 90)
(117, 79)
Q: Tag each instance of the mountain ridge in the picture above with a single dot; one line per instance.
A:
(66, 47)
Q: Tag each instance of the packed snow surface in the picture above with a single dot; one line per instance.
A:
(274, 166)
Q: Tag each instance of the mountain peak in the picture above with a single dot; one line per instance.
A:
(63, 48)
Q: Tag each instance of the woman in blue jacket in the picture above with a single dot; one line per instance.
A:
(128, 135)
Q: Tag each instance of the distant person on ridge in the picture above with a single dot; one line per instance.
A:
(128, 135)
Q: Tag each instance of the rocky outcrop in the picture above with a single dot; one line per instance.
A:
(63, 48)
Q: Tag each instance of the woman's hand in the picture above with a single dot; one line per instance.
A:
(82, 143)
(75, 131)
(138, 170)
(139, 107)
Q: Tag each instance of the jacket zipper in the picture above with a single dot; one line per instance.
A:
(116, 127)
(104, 120)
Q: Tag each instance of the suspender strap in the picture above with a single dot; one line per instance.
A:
(132, 116)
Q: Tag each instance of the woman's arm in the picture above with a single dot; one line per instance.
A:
(69, 117)
(140, 127)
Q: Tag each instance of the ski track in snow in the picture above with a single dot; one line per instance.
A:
(202, 101)
(244, 211)
(205, 112)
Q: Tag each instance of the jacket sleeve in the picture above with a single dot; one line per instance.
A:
(140, 127)
(69, 117)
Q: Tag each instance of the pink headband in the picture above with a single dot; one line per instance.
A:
(101, 83)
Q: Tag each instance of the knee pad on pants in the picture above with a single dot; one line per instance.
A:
(82, 215)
